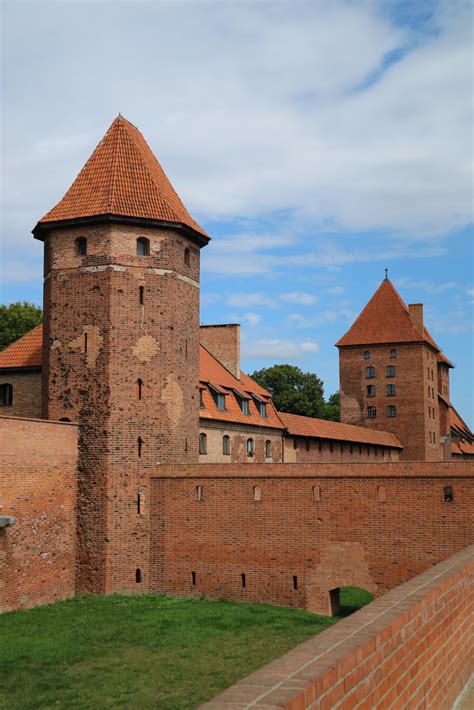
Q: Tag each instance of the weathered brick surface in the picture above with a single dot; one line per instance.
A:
(38, 487)
(26, 393)
(223, 341)
(305, 450)
(417, 420)
(371, 525)
(239, 436)
(99, 341)
(410, 648)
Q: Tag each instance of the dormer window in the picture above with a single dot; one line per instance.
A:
(261, 406)
(218, 396)
(81, 246)
(143, 246)
(244, 406)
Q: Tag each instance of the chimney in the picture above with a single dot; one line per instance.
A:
(223, 341)
(415, 311)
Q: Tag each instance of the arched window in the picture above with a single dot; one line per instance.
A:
(199, 493)
(226, 445)
(187, 257)
(203, 443)
(143, 246)
(250, 447)
(6, 395)
(64, 419)
(138, 576)
(140, 446)
(139, 388)
(81, 246)
(390, 370)
(268, 449)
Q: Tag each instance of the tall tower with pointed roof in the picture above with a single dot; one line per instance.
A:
(390, 372)
(121, 337)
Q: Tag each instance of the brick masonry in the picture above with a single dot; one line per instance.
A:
(412, 648)
(38, 487)
(371, 525)
(26, 393)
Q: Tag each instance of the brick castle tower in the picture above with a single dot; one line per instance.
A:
(391, 374)
(121, 338)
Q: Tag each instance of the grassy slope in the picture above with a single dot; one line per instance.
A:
(139, 652)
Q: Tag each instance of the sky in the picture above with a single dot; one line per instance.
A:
(317, 142)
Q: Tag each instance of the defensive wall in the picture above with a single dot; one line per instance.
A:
(411, 648)
(293, 534)
(37, 489)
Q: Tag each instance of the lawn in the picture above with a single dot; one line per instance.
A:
(142, 651)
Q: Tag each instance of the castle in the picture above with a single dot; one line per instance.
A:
(175, 469)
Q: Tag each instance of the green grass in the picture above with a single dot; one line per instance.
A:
(142, 651)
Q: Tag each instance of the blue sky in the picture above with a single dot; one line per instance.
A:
(318, 143)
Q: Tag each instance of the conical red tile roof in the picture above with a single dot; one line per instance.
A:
(385, 319)
(122, 177)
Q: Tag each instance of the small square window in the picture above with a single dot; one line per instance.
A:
(371, 412)
(367, 355)
(393, 353)
(391, 411)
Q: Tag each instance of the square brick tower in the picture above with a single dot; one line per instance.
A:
(121, 339)
(390, 371)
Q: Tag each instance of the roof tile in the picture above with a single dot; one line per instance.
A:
(324, 429)
(25, 352)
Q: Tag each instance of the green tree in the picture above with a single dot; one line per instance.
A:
(293, 390)
(332, 408)
(16, 320)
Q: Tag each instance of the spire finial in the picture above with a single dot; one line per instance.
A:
(386, 274)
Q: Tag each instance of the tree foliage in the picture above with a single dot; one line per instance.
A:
(297, 392)
(16, 320)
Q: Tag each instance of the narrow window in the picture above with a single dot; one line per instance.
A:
(382, 494)
(243, 581)
(226, 445)
(432, 393)
(257, 494)
(221, 402)
(331, 446)
(250, 447)
(186, 444)
(368, 451)
(320, 446)
(448, 494)
(370, 371)
(201, 399)
(351, 449)
(391, 411)
(262, 408)
(193, 579)
(430, 438)
(244, 406)
(295, 442)
(143, 246)
(370, 390)
(6, 395)
(390, 370)
(295, 582)
(307, 444)
(434, 438)
(391, 391)
(139, 386)
(187, 257)
(81, 246)
(140, 445)
(393, 353)
(367, 355)
(199, 493)
(138, 576)
(360, 450)
(376, 451)
(85, 343)
(342, 448)
(139, 503)
(141, 291)
(203, 443)
(316, 493)
(428, 390)
(268, 449)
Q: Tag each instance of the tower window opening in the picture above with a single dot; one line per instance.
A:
(243, 580)
(6, 395)
(268, 449)
(140, 388)
(202, 443)
(226, 445)
(295, 582)
(139, 503)
(307, 444)
(320, 446)
(81, 246)
(187, 257)
(140, 446)
(250, 447)
(448, 494)
(193, 579)
(331, 446)
(141, 291)
(351, 449)
(143, 246)
(85, 343)
(199, 493)
(138, 576)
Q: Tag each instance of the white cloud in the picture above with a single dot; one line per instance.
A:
(280, 349)
(319, 318)
(300, 297)
(427, 286)
(250, 299)
(335, 291)
(252, 318)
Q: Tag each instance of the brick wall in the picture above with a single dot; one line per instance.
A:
(26, 393)
(412, 648)
(38, 487)
(305, 450)
(370, 525)
(223, 341)
(238, 437)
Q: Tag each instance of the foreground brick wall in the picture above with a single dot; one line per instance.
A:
(412, 648)
(298, 531)
(38, 487)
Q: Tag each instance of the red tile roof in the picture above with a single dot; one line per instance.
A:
(324, 429)
(122, 177)
(385, 319)
(25, 352)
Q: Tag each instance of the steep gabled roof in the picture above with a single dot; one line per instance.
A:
(385, 319)
(25, 352)
(122, 178)
(298, 425)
